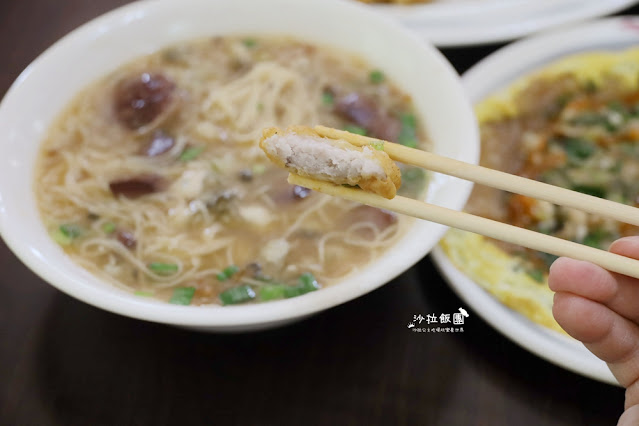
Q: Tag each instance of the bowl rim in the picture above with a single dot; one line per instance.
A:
(129, 305)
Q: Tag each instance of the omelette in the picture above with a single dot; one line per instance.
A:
(574, 124)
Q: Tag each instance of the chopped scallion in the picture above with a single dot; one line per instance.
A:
(306, 284)
(143, 293)
(355, 129)
(308, 281)
(413, 173)
(163, 268)
(71, 230)
(563, 99)
(596, 238)
(191, 153)
(378, 145)
(66, 233)
(61, 238)
(108, 227)
(578, 149)
(628, 148)
(589, 119)
(618, 107)
(590, 190)
(227, 272)
(272, 292)
(182, 296)
(408, 133)
(413, 181)
(328, 98)
(591, 86)
(376, 77)
(536, 274)
(618, 197)
(595, 119)
(236, 295)
(249, 42)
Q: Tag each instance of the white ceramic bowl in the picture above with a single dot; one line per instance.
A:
(105, 43)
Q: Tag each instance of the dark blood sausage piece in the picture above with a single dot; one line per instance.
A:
(365, 113)
(138, 186)
(159, 144)
(141, 99)
(126, 238)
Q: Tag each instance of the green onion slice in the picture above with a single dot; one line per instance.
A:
(272, 292)
(227, 272)
(182, 296)
(249, 42)
(236, 295)
(163, 268)
(328, 99)
(408, 133)
(191, 153)
(595, 191)
(597, 237)
(537, 275)
(376, 77)
(60, 238)
(355, 129)
(71, 230)
(108, 227)
(66, 233)
(306, 283)
(378, 145)
(578, 149)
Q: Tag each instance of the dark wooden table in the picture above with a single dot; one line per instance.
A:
(66, 363)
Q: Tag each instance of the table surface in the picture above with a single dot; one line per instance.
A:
(63, 362)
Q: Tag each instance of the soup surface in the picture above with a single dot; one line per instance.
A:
(152, 178)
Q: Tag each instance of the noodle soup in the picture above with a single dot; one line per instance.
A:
(153, 180)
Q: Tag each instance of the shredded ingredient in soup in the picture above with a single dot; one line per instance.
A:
(153, 178)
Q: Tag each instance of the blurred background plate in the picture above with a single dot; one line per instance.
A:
(470, 22)
(491, 74)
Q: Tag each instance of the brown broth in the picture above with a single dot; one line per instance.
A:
(152, 178)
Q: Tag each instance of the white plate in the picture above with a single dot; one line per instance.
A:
(498, 71)
(470, 22)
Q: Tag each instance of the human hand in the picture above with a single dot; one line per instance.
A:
(601, 309)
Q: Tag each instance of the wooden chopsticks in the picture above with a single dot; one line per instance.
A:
(495, 178)
(479, 225)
